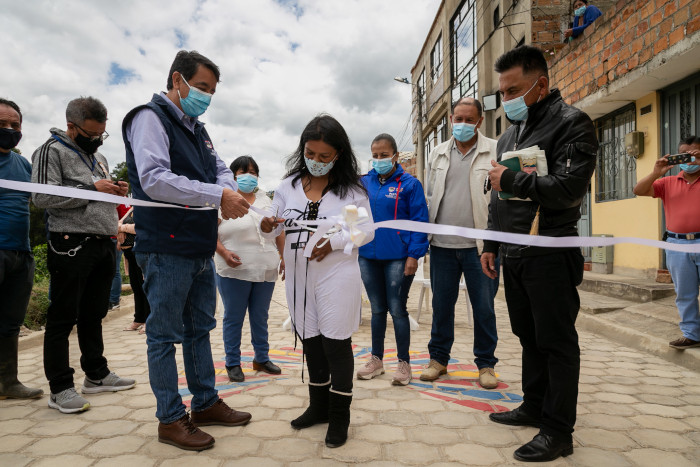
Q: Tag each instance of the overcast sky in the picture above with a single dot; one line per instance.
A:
(282, 62)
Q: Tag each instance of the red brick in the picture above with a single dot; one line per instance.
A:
(611, 75)
(676, 35)
(680, 17)
(624, 54)
(670, 9)
(629, 36)
(645, 55)
(627, 12)
(647, 9)
(642, 27)
(599, 70)
(609, 39)
(605, 54)
(695, 8)
(603, 80)
(616, 46)
(613, 61)
(633, 62)
(661, 45)
(616, 21)
(683, 3)
(656, 18)
(665, 27)
(693, 25)
(636, 45)
(621, 69)
(538, 26)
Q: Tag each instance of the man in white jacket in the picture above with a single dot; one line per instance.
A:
(458, 169)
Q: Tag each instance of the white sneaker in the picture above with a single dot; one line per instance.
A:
(68, 401)
(403, 375)
(110, 383)
(374, 367)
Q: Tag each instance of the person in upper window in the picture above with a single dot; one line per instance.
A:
(584, 15)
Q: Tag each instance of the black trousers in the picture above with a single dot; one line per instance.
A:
(330, 359)
(543, 304)
(16, 281)
(80, 287)
(141, 307)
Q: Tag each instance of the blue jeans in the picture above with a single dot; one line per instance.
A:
(115, 292)
(387, 289)
(239, 295)
(685, 272)
(182, 294)
(446, 268)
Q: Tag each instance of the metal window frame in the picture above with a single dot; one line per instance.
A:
(616, 172)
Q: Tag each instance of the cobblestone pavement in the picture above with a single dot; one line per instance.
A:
(634, 409)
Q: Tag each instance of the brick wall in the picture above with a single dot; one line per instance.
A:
(627, 36)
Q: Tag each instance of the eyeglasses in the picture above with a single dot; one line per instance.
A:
(101, 137)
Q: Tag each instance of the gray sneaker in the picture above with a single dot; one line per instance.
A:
(110, 383)
(68, 401)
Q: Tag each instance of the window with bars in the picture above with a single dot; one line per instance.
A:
(616, 172)
(463, 46)
(442, 134)
(436, 60)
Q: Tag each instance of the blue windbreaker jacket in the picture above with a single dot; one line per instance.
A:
(411, 205)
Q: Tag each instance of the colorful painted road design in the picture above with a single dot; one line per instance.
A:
(460, 386)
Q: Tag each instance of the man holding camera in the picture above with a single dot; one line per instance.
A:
(681, 197)
(81, 255)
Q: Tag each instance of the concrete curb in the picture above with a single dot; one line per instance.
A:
(36, 338)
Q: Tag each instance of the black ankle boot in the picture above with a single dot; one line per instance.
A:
(318, 407)
(10, 387)
(338, 419)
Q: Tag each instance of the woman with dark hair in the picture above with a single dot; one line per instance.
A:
(246, 271)
(389, 262)
(322, 178)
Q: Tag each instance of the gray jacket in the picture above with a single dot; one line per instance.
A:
(59, 163)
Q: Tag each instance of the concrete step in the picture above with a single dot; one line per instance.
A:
(627, 288)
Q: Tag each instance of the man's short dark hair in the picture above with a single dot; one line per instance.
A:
(9, 103)
(469, 101)
(86, 108)
(689, 141)
(531, 59)
(187, 63)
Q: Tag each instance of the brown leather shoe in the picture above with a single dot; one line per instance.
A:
(184, 435)
(684, 343)
(220, 414)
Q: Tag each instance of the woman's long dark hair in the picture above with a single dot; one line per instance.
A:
(345, 174)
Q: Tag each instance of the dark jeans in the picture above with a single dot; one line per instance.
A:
(330, 359)
(543, 304)
(141, 307)
(387, 289)
(16, 280)
(115, 292)
(79, 296)
(447, 265)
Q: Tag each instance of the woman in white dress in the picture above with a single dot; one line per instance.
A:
(246, 271)
(323, 291)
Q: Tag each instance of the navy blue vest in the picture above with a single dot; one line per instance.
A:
(166, 230)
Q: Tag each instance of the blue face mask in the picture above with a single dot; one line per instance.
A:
(247, 182)
(383, 166)
(516, 109)
(689, 169)
(196, 102)
(319, 169)
(580, 11)
(463, 132)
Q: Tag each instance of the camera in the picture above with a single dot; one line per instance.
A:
(679, 159)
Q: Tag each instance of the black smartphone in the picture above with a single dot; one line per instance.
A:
(679, 159)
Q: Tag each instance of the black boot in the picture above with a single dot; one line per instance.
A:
(10, 387)
(338, 419)
(318, 407)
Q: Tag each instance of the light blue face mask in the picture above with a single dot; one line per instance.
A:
(689, 169)
(383, 166)
(196, 102)
(516, 109)
(580, 11)
(463, 132)
(319, 169)
(247, 182)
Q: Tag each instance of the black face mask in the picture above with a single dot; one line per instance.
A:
(88, 145)
(9, 138)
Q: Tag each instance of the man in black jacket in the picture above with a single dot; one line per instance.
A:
(540, 283)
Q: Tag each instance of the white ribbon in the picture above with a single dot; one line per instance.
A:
(353, 224)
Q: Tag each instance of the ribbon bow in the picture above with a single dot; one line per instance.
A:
(347, 223)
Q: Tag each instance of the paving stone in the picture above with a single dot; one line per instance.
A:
(284, 402)
(253, 462)
(269, 429)
(142, 401)
(58, 445)
(374, 405)
(473, 454)
(616, 398)
(423, 405)
(321, 463)
(412, 452)
(649, 438)
(200, 460)
(15, 426)
(291, 449)
(611, 422)
(661, 423)
(495, 435)
(613, 409)
(110, 412)
(656, 457)
(661, 410)
(65, 425)
(433, 434)
(136, 460)
(16, 412)
(661, 400)
(14, 460)
(400, 418)
(353, 451)
(110, 428)
(233, 446)
(380, 433)
(116, 445)
(12, 443)
(605, 439)
(452, 419)
(593, 457)
(72, 460)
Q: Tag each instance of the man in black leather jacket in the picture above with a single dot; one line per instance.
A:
(540, 283)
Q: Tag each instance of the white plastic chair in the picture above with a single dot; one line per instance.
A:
(425, 286)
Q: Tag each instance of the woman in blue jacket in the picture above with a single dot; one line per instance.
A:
(389, 262)
(584, 15)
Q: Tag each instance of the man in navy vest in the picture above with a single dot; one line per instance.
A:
(171, 158)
